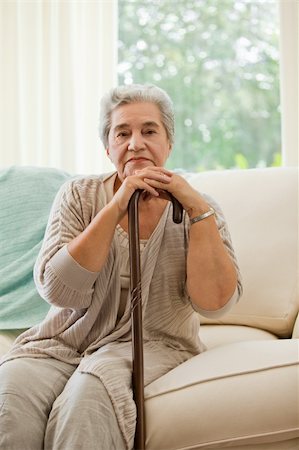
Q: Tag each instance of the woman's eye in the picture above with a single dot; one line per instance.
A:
(121, 137)
(150, 132)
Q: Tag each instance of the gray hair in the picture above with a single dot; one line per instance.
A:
(134, 93)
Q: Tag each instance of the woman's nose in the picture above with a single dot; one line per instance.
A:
(136, 142)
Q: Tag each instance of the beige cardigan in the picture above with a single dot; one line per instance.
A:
(82, 327)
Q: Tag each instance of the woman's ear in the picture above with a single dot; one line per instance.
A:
(108, 153)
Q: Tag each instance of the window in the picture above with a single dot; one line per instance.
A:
(219, 62)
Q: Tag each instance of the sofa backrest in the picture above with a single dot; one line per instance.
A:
(261, 208)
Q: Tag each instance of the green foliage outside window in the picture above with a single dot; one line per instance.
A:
(219, 62)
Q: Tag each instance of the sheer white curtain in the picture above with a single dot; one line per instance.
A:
(57, 59)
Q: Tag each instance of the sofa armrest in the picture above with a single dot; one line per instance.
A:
(295, 334)
(7, 338)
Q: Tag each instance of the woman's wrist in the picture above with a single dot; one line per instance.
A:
(197, 209)
(195, 205)
(114, 211)
(203, 216)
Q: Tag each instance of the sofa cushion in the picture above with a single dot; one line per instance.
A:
(215, 335)
(26, 195)
(261, 208)
(239, 394)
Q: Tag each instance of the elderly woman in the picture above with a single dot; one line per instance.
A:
(66, 383)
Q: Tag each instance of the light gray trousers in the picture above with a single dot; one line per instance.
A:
(47, 404)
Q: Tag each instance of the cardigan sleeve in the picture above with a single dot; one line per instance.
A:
(221, 311)
(59, 279)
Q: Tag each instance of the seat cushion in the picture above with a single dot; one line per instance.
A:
(238, 394)
(215, 335)
(7, 338)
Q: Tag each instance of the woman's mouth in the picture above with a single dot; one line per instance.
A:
(136, 160)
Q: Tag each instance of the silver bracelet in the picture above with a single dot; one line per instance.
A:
(202, 216)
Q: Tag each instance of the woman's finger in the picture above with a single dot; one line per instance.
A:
(157, 173)
(163, 184)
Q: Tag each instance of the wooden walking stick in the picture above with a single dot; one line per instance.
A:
(136, 311)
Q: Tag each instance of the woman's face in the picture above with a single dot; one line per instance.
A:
(137, 138)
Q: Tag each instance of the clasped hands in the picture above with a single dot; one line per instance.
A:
(154, 181)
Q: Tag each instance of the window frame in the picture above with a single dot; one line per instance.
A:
(288, 15)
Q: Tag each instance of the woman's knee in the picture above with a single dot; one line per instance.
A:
(82, 394)
(20, 427)
(17, 427)
(85, 405)
(27, 392)
(12, 376)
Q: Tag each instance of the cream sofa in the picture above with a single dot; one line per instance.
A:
(243, 392)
